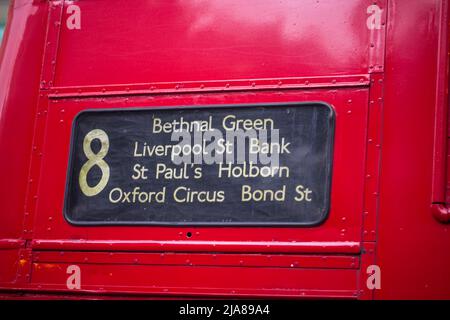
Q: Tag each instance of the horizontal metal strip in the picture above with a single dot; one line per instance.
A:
(349, 247)
(210, 86)
(34, 291)
(188, 280)
(198, 259)
(11, 243)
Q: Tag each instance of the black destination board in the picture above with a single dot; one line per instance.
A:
(215, 165)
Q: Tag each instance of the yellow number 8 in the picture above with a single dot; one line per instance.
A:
(94, 159)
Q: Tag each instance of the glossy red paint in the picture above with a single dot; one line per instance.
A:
(412, 248)
(384, 75)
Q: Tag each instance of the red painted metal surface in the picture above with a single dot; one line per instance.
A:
(201, 246)
(382, 66)
(412, 247)
(343, 225)
(440, 193)
(204, 44)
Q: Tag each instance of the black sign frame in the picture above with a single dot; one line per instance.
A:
(328, 184)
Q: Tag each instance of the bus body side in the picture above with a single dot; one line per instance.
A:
(382, 68)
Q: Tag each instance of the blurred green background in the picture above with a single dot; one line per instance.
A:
(3, 15)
